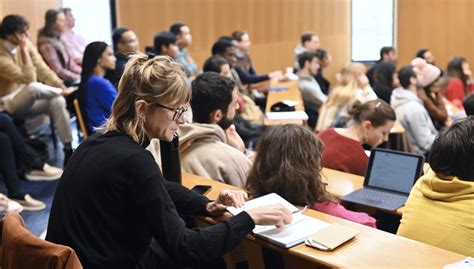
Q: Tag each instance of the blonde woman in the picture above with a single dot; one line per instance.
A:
(353, 85)
(113, 200)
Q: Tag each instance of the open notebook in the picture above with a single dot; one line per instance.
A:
(292, 234)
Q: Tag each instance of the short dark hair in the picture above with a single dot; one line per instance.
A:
(468, 104)
(12, 24)
(321, 54)
(305, 57)
(214, 64)
(421, 53)
(175, 28)
(210, 91)
(385, 50)
(163, 38)
(220, 46)
(453, 150)
(405, 74)
(117, 36)
(383, 74)
(237, 35)
(307, 36)
(66, 10)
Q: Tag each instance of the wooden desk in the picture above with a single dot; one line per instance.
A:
(371, 249)
(293, 94)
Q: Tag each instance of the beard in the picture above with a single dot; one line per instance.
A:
(225, 122)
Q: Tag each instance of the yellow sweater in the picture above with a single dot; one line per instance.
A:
(13, 73)
(440, 212)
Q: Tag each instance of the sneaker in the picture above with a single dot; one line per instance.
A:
(30, 204)
(7, 205)
(48, 173)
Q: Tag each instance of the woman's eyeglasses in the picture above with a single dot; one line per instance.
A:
(178, 112)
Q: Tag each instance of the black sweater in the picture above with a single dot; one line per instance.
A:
(112, 199)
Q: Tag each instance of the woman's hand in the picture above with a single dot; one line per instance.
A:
(226, 198)
(276, 214)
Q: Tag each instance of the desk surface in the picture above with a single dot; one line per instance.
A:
(372, 248)
(292, 94)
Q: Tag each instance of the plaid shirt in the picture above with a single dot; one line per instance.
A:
(184, 58)
(67, 70)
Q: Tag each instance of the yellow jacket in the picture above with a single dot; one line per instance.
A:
(440, 212)
(13, 73)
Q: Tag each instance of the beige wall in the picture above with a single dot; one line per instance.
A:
(33, 10)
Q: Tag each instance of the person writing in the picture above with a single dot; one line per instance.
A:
(113, 200)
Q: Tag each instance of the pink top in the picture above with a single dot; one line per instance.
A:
(337, 210)
(77, 43)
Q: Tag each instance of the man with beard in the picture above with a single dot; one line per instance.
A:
(210, 146)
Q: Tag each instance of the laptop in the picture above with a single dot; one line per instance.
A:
(388, 180)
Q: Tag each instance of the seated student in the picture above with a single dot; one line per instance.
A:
(353, 85)
(165, 44)
(324, 61)
(14, 151)
(309, 43)
(54, 50)
(244, 65)
(96, 94)
(249, 131)
(439, 210)
(430, 83)
(113, 206)
(387, 54)
(411, 113)
(469, 105)
(74, 41)
(313, 97)
(125, 43)
(21, 69)
(210, 146)
(293, 170)
(459, 85)
(385, 80)
(184, 40)
(370, 124)
(426, 55)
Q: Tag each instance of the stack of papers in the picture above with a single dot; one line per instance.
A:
(292, 234)
(289, 115)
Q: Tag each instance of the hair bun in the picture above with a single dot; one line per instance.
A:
(355, 109)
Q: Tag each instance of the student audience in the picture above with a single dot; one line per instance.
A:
(244, 65)
(184, 40)
(439, 209)
(21, 69)
(309, 43)
(125, 43)
(54, 50)
(370, 124)
(430, 91)
(460, 84)
(387, 54)
(426, 54)
(165, 43)
(293, 170)
(469, 105)
(352, 85)
(385, 80)
(210, 146)
(313, 97)
(74, 41)
(127, 192)
(96, 94)
(410, 110)
(324, 61)
(14, 152)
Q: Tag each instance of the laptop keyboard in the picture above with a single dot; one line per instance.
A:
(381, 197)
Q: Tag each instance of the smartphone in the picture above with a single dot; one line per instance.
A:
(202, 189)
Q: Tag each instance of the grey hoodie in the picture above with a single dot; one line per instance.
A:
(299, 50)
(311, 90)
(415, 119)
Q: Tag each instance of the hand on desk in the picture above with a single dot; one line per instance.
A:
(226, 198)
(276, 214)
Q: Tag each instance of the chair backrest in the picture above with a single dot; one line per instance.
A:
(21, 249)
(80, 119)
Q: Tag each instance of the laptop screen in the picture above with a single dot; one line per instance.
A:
(393, 171)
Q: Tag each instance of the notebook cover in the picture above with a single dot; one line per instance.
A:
(334, 235)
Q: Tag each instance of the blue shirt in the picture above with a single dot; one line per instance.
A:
(184, 58)
(99, 97)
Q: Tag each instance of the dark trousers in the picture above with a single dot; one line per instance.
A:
(13, 150)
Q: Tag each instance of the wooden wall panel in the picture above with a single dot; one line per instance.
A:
(443, 26)
(33, 10)
(274, 25)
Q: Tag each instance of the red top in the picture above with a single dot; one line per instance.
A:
(455, 93)
(342, 153)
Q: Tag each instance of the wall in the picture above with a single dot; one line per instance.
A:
(443, 26)
(274, 25)
(33, 10)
